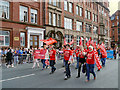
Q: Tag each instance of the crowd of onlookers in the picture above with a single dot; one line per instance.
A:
(15, 56)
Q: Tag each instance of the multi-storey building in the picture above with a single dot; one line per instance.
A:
(23, 23)
(115, 29)
(71, 19)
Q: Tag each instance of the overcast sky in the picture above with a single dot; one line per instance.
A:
(113, 6)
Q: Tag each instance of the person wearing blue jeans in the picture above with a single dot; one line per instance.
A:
(68, 74)
(67, 57)
(43, 62)
(90, 63)
(90, 69)
(77, 66)
(103, 60)
(77, 56)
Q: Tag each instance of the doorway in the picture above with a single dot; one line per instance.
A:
(34, 41)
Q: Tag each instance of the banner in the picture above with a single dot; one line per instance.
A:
(97, 60)
(88, 43)
(65, 42)
(110, 54)
(71, 42)
(103, 50)
(81, 41)
(42, 53)
(49, 41)
(36, 54)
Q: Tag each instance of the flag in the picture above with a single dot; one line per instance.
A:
(103, 50)
(95, 45)
(71, 42)
(91, 42)
(88, 43)
(65, 42)
(49, 41)
(81, 41)
(97, 60)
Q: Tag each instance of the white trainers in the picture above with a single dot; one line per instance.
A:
(65, 78)
(8, 66)
(12, 65)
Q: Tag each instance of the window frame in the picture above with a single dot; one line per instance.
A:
(21, 44)
(35, 15)
(65, 5)
(21, 13)
(70, 7)
(4, 38)
(6, 10)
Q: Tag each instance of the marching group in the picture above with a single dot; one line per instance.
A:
(85, 58)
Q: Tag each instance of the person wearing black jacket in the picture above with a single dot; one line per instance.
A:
(9, 57)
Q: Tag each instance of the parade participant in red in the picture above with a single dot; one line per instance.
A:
(81, 59)
(90, 63)
(103, 54)
(36, 57)
(67, 57)
(52, 59)
(42, 57)
(77, 56)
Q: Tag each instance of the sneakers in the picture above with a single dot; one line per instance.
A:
(69, 76)
(12, 66)
(65, 78)
(77, 76)
(8, 66)
(51, 73)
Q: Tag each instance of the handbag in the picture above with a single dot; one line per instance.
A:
(84, 68)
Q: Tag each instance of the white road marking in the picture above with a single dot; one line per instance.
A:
(16, 77)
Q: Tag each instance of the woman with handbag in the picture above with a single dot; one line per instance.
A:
(81, 59)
